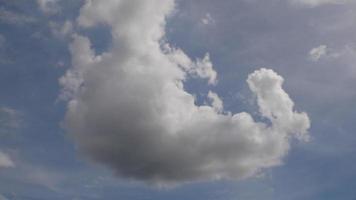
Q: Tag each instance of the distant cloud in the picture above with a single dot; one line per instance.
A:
(11, 17)
(316, 53)
(313, 3)
(9, 119)
(344, 53)
(128, 109)
(207, 19)
(48, 6)
(5, 161)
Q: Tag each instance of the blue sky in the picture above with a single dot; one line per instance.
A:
(68, 99)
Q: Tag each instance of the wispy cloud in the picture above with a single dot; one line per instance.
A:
(11, 17)
(9, 119)
(316, 53)
(314, 3)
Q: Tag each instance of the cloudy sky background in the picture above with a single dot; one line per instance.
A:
(47, 152)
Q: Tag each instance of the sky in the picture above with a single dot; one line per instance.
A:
(177, 99)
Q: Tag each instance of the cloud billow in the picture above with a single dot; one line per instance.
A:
(127, 108)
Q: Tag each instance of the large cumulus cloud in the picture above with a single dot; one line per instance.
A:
(127, 108)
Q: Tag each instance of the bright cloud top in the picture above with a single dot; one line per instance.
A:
(127, 108)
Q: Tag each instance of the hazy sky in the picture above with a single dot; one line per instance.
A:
(177, 99)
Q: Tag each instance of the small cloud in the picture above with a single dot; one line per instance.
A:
(345, 52)
(316, 53)
(216, 102)
(314, 3)
(204, 69)
(200, 68)
(5, 161)
(207, 19)
(9, 119)
(49, 7)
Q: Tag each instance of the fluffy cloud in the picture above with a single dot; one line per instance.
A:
(216, 102)
(313, 3)
(127, 108)
(316, 53)
(202, 68)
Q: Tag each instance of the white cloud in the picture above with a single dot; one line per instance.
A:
(275, 104)
(128, 109)
(204, 69)
(5, 161)
(344, 54)
(201, 68)
(316, 53)
(48, 6)
(313, 3)
(207, 19)
(216, 102)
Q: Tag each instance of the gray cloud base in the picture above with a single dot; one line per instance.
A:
(127, 108)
